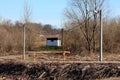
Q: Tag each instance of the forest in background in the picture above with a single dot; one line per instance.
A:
(11, 35)
(75, 40)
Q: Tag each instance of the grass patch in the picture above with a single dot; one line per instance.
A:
(48, 48)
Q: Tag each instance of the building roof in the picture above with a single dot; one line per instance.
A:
(54, 36)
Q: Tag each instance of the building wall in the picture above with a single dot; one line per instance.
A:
(53, 42)
(59, 42)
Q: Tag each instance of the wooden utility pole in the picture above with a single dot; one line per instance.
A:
(24, 38)
(62, 36)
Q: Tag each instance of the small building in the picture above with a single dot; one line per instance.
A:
(53, 40)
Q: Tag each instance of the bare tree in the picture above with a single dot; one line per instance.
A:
(26, 20)
(81, 14)
(95, 5)
(27, 12)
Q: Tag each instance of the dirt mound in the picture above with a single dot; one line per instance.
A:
(89, 72)
(55, 71)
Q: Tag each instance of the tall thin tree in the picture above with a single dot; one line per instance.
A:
(26, 20)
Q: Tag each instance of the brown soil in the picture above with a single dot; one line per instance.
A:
(12, 70)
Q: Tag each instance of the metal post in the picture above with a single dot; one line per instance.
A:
(101, 38)
(24, 37)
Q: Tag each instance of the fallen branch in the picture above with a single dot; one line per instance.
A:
(40, 77)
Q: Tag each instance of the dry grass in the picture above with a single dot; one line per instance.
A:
(59, 57)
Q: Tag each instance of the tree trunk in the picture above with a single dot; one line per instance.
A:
(94, 27)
